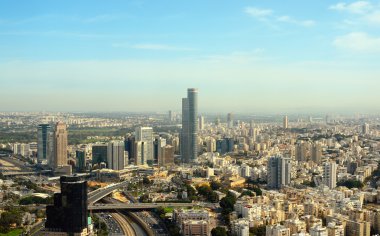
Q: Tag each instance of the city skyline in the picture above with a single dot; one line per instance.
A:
(267, 57)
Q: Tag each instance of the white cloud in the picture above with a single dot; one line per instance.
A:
(268, 14)
(258, 12)
(374, 17)
(358, 7)
(358, 42)
(291, 20)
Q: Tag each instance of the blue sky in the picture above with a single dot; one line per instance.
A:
(289, 56)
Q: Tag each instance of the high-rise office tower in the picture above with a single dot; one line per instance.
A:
(316, 153)
(81, 160)
(158, 143)
(129, 143)
(60, 145)
(329, 174)
(365, 128)
(285, 122)
(217, 121)
(279, 172)
(167, 155)
(43, 143)
(115, 155)
(171, 116)
(69, 213)
(301, 151)
(140, 150)
(189, 134)
(201, 122)
(145, 134)
(211, 145)
(99, 153)
(230, 120)
(50, 156)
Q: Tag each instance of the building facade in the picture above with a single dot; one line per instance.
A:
(189, 133)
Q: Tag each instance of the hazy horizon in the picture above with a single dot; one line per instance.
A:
(249, 56)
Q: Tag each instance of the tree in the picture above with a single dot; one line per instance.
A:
(351, 183)
(144, 198)
(215, 185)
(258, 230)
(213, 197)
(146, 181)
(204, 190)
(190, 191)
(227, 203)
(10, 216)
(257, 190)
(219, 231)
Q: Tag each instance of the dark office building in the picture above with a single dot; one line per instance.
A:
(43, 142)
(69, 212)
(225, 145)
(129, 144)
(156, 149)
(81, 160)
(99, 153)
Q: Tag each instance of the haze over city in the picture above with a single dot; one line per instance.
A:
(245, 56)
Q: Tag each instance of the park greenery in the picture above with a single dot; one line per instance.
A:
(10, 218)
(227, 204)
(351, 183)
(219, 231)
(35, 200)
(208, 193)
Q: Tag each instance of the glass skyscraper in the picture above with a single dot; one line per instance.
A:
(189, 134)
(69, 212)
(42, 142)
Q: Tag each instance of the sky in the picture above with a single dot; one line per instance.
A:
(247, 56)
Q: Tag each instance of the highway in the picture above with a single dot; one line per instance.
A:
(113, 226)
(125, 224)
(137, 206)
(123, 221)
(100, 193)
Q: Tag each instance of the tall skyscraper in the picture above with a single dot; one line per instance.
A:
(189, 134)
(279, 172)
(365, 128)
(60, 145)
(158, 143)
(201, 122)
(167, 155)
(140, 150)
(115, 155)
(329, 174)
(316, 153)
(43, 143)
(301, 151)
(230, 120)
(285, 122)
(129, 143)
(145, 134)
(170, 116)
(99, 153)
(69, 213)
(81, 160)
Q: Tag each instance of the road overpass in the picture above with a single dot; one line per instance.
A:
(18, 173)
(138, 206)
(100, 193)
